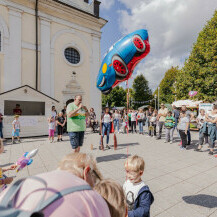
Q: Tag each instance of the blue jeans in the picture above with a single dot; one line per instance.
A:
(106, 127)
(116, 124)
(189, 136)
(140, 126)
(76, 139)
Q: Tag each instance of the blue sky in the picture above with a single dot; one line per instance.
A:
(173, 27)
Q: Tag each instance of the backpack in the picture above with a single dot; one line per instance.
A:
(6, 204)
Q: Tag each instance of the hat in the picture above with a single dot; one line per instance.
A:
(162, 104)
(16, 116)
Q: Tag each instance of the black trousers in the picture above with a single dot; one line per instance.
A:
(133, 124)
(183, 138)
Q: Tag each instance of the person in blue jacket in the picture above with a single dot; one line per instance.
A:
(138, 195)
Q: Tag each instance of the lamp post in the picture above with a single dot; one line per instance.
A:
(155, 98)
(158, 96)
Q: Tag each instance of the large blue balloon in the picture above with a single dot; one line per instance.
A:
(121, 59)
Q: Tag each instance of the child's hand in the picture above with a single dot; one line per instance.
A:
(13, 167)
(8, 180)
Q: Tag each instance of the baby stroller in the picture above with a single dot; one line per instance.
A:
(95, 126)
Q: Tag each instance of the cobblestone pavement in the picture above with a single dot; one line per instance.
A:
(184, 182)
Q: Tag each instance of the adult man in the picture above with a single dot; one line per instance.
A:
(17, 110)
(162, 113)
(76, 123)
(190, 116)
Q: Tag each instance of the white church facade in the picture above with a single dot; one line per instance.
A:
(49, 52)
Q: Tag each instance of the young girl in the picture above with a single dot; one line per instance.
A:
(16, 129)
(51, 127)
(153, 123)
(60, 124)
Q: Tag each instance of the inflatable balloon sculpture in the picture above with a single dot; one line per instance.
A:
(192, 93)
(121, 59)
(26, 159)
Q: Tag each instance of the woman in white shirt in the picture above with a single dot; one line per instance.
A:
(211, 118)
(106, 125)
(140, 118)
(200, 120)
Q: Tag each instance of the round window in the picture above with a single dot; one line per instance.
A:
(72, 55)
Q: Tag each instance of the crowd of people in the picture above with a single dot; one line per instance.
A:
(176, 120)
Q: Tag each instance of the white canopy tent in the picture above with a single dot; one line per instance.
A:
(188, 103)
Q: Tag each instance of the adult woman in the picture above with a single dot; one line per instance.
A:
(106, 125)
(202, 134)
(140, 118)
(116, 120)
(149, 115)
(211, 119)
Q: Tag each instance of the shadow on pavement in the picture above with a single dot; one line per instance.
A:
(130, 144)
(111, 157)
(201, 200)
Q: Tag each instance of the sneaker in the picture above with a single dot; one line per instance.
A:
(171, 142)
(13, 142)
(50, 141)
(165, 141)
(19, 140)
(61, 139)
(182, 148)
(108, 147)
(58, 140)
(210, 153)
(158, 138)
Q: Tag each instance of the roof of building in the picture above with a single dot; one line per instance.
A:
(30, 88)
(78, 9)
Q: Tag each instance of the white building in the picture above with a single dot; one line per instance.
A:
(42, 42)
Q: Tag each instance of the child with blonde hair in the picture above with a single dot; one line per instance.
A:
(113, 194)
(139, 197)
(81, 165)
(51, 127)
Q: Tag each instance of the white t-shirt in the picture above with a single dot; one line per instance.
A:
(52, 125)
(131, 191)
(17, 124)
(163, 112)
(53, 114)
(140, 116)
(106, 118)
(116, 116)
(211, 116)
(201, 120)
(133, 116)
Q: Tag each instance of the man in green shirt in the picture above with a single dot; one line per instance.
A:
(76, 122)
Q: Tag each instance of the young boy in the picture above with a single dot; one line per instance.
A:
(16, 129)
(139, 197)
(183, 128)
(169, 124)
(51, 126)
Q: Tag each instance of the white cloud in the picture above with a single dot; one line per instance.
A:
(106, 4)
(173, 27)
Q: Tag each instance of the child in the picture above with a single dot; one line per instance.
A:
(60, 124)
(170, 125)
(16, 129)
(183, 128)
(51, 126)
(113, 194)
(139, 197)
(4, 180)
(153, 123)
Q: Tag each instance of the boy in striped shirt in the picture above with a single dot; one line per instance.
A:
(169, 124)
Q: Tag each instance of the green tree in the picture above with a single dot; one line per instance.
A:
(200, 70)
(141, 90)
(116, 98)
(168, 86)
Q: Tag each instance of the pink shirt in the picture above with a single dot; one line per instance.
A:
(86, 203)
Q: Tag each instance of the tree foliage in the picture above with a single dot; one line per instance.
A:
(200, 70)
(141, 90)
(168, 86)
(117, 98)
